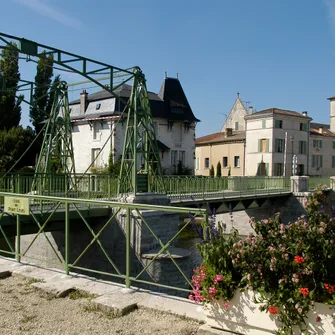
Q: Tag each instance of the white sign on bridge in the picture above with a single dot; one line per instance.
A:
(16, 205)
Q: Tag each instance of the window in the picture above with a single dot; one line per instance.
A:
(187, 126)
(197, 163)
(97, 106)
(206, 163)
(317, 144)
(263, 124)
(182, 157)
(96, 130)
(333, 162)
(155, 123)
(263, 145)
(279, 145)
(278, 169)
(301, 169)
(236, 161)
(333, 144)
(316, 161)
(303, 126)
(96, 158)
(177, 110)
(302, 147)
(278, 124)
(225, 162)
(174, 154)
(170, 125)
(236, 125)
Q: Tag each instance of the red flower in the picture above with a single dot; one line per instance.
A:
(299, 259)
(329, 288)
(318, 319)
(272, 309)
(304, 291)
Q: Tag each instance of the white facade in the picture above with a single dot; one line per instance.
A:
(273, 137)
(235, 118)
(97, 132)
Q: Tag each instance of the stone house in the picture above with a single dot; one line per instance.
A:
(98, 130)
(226, 147)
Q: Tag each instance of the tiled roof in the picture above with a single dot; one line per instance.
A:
(221, 137)
(325, 132)
(278, 111)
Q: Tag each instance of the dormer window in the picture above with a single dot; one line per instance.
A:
(177, 110)
(97, 106)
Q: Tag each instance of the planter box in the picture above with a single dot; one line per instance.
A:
(244, 317)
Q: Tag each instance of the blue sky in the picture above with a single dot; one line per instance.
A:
(278, 53)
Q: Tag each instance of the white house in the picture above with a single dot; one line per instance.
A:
(273, 137)
(98, 130)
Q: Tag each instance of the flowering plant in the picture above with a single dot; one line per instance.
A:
(290, 266)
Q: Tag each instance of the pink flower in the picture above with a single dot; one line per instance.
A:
(212, 290)
(218, 278)
(249, 276)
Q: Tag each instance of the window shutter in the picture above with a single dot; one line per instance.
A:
(321, 163)
(267, 169)
(276, 123)
(259, 145)
(313, 161)
(259, 169)
(275, 169)
(263, 123)
(320, 144)
(305, 127)
(267, 145)
(333, 144)
(276, 144)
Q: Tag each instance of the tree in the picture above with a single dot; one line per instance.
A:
(211, 171)
(38, 112)
(13, 143)
(10, 106)
(51, 97)
(218, 169)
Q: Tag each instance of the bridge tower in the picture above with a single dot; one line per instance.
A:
(56, 155)
(140, 145)
(140, 165)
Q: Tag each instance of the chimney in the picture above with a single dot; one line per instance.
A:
(229, 132)
(83, 102)
(332, 113)
(320, 130)
(304, 113)
(251, 109)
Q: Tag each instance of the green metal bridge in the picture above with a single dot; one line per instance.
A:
(67, 202)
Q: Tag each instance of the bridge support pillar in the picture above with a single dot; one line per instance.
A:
(145, 248)
(299, 184)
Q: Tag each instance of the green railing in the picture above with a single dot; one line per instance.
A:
(207, 187)
(129, 213)
(315, 181)
(86, 186)
(99, 186)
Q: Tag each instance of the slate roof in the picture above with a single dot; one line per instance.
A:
(238, 135)
(170, 103)
(278, 111)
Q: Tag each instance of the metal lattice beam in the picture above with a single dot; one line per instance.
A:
(140, 145)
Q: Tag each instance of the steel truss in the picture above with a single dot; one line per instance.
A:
(140, 141)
